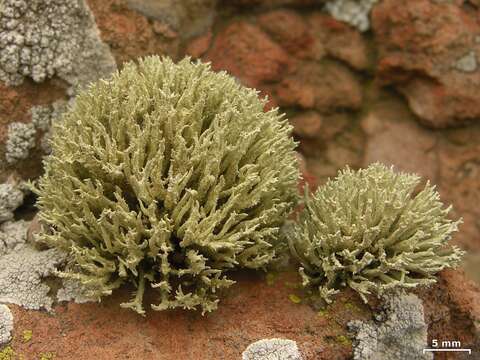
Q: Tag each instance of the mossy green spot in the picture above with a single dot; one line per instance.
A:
(27, 335)
(7, 353)
(295, 298)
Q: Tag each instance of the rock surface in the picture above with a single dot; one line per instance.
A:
(429, 50)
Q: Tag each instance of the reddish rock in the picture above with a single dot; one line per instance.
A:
(306, 124)
(459, 173)
(15, 105)
(323, 87)
(199, 45)
(452, 309)
(429, 51)
(395, 138)
(130, 34)
(247, 52)
(339, 41)
(250, 310)
(268, 3)
(289, 30)
(306, 176)
(334, 125)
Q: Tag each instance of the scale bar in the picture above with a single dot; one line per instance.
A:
(456, 350)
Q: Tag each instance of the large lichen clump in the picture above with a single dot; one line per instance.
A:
(167, 175)
(369, 230)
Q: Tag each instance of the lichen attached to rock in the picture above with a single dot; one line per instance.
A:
(24, 268)
(42, 39)
(369, 230)
(272, 349)
(354, 12)
(399, 333)
(6, 324)
(169, 175)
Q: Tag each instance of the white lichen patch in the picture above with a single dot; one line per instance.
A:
(20, 140)
(11, 197)
(399, 333)
(73, 290)
(24, 268)
(6, 325)
(12, 236)
(41, 39)
(467, 63)
(272, 349)
(354, 12)
(42, 119)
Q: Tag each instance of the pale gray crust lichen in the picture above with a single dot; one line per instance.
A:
(399, 333)
(353, 12)
(20, 140)
(41, 39)
(21, 137)
(23, 268)
(6, 324)
(272, 349)
(369, 230)
(11, 197)
(167, 175)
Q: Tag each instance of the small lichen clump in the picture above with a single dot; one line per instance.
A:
(354, 12)
(42, 39)
(21, 139)
(169, 175)
(369, 230)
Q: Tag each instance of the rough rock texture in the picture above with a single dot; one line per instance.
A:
(324, 88)
(428, 50)
(272, 349)
(42, 40)
(6, 324)
(188, 17)
(395, 138)
(399, 333)
(247, 52)
(92, 331)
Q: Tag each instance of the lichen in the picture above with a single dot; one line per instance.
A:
(73, 290)
(369, 230)
(6, 324)
(169, 175)
(467, 63)
(20, 140)
(399, 333)
(354, 12)
(23, 268)
(42, 39)
(11, 197)
(27, 335)
(272, 349)
(42, 118)
(7, 353)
